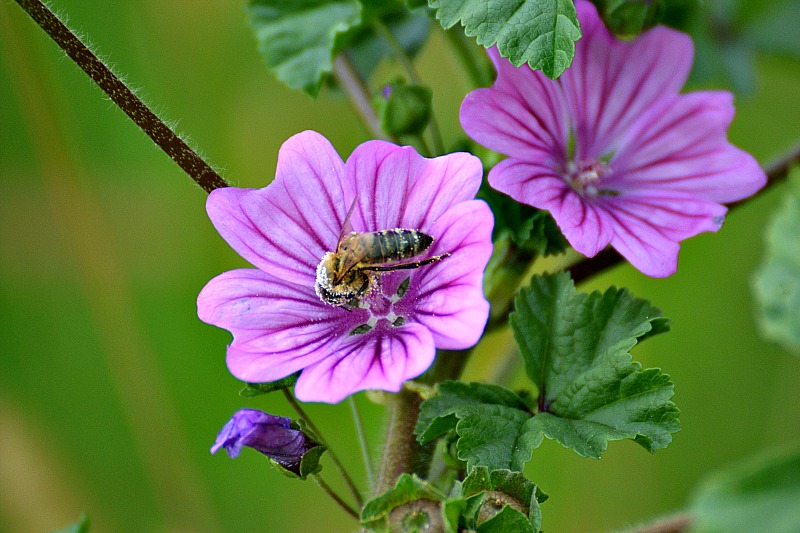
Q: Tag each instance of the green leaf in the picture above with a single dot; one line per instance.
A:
(257, 389)
(530, 229)
(759, 495)
(81, 526)
(366, 48)
(410, 496)
(541, 33)
(777, 283)
(297, 39)
(575, 349)
(438, 415)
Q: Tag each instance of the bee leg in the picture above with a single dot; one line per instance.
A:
(406, 266)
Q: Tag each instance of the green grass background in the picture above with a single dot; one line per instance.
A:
(111, 389)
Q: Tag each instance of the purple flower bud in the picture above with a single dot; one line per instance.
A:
(387, 91)
(270, 435)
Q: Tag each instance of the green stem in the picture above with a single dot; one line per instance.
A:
(400, 54)
(335, 497)
(362, 440)
(120, 94)
(401, 449)
(507, 269)
(358, 95)
(478, 76)
(335, 458)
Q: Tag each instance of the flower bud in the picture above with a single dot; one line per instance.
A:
(406, 109)
(271, 435)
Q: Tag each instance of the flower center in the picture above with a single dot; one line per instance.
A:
(381, 307)
(586, 177)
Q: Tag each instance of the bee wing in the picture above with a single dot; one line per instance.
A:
(347, 227)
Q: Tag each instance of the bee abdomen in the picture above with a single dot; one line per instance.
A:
(398, 244)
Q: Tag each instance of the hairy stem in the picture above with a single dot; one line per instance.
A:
(400, 448)
(335, 458)
(335, 497)
(120, 94)
(358, 95)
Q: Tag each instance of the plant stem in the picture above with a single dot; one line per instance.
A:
(408, 65)
(358, 95)
(335, 458)
(400, 448)
(362, 440)
(777, 171)
(674, 524)
(120, 94)
(478, 76)
(341, 503)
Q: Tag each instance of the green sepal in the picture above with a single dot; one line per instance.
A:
(407, 110)
(81, 526)
(408, 489)
(251, 390)
(508, 519)
(513, 484)
(761, 494)
(541, 33)
(776, 284)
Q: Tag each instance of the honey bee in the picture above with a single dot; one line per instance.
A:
(353, 270)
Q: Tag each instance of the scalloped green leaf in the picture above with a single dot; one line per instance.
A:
(575, 347)
(776, 285)
(541, 33)
(297, 39)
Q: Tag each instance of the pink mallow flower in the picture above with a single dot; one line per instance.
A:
(612, 149)
(279, 323)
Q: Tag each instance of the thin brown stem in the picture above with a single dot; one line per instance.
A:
(777, 171)
(120, 94)
(335, 497)
(335, 458)
(674, 524)
(358, 95)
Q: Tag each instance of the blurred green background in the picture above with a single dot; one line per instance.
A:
(111, 389)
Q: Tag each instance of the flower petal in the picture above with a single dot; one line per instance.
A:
(682, 145)
(287, 227)
(278, 327)
(382, 359)
(584, 225)
(447, 297)
(524, 109)
(647, 229)
(401, 189)
(611, 82)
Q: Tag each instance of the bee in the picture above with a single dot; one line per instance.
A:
(353, 270)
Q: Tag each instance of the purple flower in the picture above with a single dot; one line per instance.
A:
(612, 149)
(280, 325)
(270, 435)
